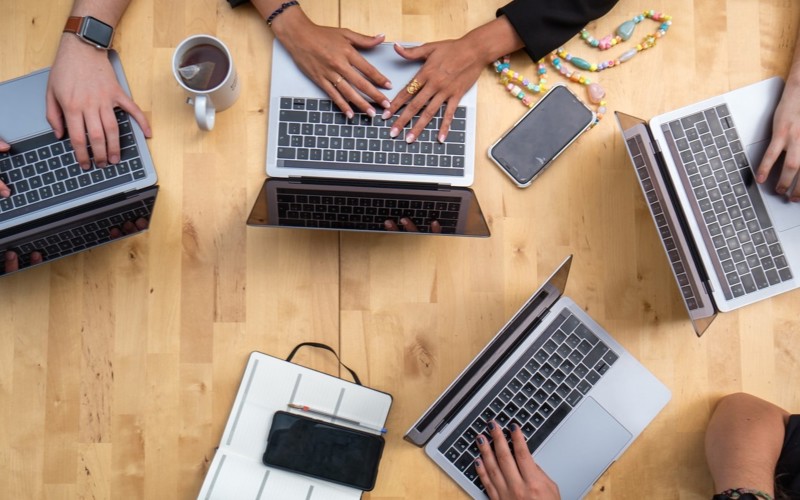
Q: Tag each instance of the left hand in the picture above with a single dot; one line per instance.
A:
(451, 67)
(512, 476)
(84, 89)
(4, 191)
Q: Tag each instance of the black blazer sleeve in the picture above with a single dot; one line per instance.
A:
(544, 25)
(236, 3)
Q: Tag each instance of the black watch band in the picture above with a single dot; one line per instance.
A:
(91, 30)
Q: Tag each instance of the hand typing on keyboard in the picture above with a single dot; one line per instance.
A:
(511, 474)
(82, 93)
(409, 226)
(12, 261)
(328, 56)
(4, 191)
(786, 135)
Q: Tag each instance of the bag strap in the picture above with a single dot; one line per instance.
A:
(327, 348)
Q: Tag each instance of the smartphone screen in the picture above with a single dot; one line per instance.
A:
(324, 450)
(542, 134)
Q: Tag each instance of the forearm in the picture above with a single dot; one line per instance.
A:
(794, 72)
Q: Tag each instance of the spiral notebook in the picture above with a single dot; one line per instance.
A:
(268, 385)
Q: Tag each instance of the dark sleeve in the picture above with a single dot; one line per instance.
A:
(236, 3)
(544, 25)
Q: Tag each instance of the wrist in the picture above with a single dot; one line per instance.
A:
(290, 21)
(72, 45)
(493, 40)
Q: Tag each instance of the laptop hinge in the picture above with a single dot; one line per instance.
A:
(422, 186)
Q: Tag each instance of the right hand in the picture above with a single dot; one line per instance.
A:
(329, 57)
(785, 137)
(508, 476)
(4, 191)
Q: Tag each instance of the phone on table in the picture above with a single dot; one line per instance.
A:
(323, 450)
(543, 133)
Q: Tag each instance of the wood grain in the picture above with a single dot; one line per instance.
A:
(118, 367)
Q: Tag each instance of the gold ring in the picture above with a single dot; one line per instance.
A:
(338, 81)
(413, 86)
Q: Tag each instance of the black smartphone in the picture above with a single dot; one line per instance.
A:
(547, 129)
(323, 450)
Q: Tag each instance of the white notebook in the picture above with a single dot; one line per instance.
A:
(268, 385)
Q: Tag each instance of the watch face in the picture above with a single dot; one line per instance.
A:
(97, 32)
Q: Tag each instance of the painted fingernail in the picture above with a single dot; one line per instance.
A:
(386, 114)
(760, 178)
(442, 137)
(114, 159)
(394, 132)
(371, 112)
(478, 462)
(387, 223)
(101, 164)
(388, 85)
(513, 426)
(386, 105)
(404, 221)
(350, 115)
(491, 425)
(410, 137)
(380, 35)
(481, 440)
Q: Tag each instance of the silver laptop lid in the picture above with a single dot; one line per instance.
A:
(491, 357)
(670, 221)
(330, 204)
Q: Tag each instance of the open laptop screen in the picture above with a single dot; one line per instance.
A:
(367, 206)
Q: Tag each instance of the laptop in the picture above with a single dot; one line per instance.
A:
(55, 207)
(579, 397)
(358, 175)
(730, 241)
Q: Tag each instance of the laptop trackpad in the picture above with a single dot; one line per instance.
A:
(582, 449)
(784, 214)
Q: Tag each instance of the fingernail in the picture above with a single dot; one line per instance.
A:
(101, 164)
(760, 178)
(394, 132)
(410, 137)
(404, 221)
(781, 190)
(388, 85)
(386, 105)
(380, 35)
(481, 440)
(114, 159)
(350, 115)
(795, 199)
(513, 427)
(5, 193)
(386, 114)
(371, 113)
(387, 223)
(442, 137)
(491, 425)
(11, 256)
(477, 462)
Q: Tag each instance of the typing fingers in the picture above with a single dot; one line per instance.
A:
(4, 191)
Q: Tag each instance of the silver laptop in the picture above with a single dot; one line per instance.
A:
(729, 240)
(55, 207)
(309, 137)
(579, 397)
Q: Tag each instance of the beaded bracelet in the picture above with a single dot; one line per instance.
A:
(280, 9)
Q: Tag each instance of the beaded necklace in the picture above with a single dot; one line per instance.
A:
(512, 79)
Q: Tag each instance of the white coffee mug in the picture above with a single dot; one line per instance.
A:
(207, 101)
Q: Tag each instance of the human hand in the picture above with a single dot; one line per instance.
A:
(409, 226)
(4, 191)
(128, 228)
(451, 67)
(12, 260)
(785, 137)
(83, 91)
(508, 476)
(328, 56)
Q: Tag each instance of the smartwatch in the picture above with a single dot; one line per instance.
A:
(91, 30)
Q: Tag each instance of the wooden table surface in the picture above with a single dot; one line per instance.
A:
(118, 367)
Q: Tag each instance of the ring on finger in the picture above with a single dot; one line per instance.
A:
(413, 86)
(338, 81)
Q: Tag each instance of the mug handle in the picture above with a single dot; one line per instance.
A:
(204, 112)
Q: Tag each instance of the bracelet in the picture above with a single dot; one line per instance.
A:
(280, 9)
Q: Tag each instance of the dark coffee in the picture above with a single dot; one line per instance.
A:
(204, 67)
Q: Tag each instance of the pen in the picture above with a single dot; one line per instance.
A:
(308, 409)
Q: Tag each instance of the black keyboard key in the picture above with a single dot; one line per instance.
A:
(549, 426)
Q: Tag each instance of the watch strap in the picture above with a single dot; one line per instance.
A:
(73, 25)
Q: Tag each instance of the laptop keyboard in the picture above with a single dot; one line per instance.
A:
(537, 393)
(65, 241)
(365, 211)
(313, 133)
(679, 265)
(42, 171)
(736, 226)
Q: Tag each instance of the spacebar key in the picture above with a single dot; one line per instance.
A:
(368, 167)
(70, 195)
(549, 426)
